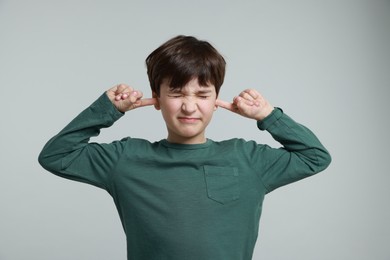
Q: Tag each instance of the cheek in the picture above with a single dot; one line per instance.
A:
(207, 107)
(170, 106)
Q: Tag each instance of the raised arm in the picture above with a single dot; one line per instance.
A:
(302, 154)
(69, 154)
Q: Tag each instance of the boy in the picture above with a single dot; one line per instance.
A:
(186, 196)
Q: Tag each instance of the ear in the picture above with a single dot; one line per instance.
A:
(157, 104)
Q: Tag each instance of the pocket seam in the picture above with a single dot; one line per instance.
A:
(223, 190)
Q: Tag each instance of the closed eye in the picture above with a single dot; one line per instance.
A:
(204, 94)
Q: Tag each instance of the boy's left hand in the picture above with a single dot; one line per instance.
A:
(249, 103)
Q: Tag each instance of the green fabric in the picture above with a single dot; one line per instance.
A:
(180, 201)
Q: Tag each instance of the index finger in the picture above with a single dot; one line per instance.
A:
(225, 105)
(146, 102)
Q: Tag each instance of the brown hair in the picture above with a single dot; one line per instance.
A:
(183, 58)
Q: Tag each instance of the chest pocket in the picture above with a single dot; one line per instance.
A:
(222, 183)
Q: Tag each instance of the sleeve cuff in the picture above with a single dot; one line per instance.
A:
(108, 108)
(270, 119)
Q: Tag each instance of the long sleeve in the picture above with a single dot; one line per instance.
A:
(302, 154)
(69, 154)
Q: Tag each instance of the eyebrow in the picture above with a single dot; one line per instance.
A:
(202, 91)
(205, 91)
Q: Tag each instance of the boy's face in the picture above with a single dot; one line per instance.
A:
(187, 111)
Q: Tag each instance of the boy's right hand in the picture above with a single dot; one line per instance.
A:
(126, 98)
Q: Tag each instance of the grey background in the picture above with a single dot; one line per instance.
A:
(326, 63)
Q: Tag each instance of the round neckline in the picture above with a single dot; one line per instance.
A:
(166, 143)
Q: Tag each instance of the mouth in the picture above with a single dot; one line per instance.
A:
(188, 120)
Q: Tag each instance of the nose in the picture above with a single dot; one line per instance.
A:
(189, 105)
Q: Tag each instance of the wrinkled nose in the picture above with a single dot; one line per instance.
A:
(189, 106)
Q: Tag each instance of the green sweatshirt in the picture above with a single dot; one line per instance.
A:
(179, 201)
